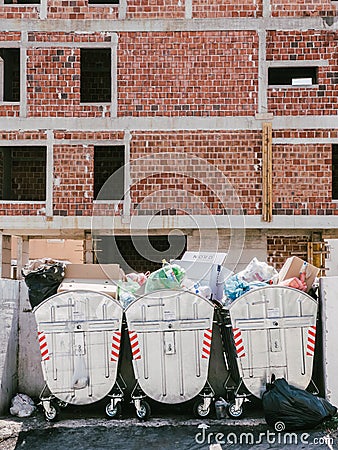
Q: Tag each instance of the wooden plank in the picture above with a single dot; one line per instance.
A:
(267, 172)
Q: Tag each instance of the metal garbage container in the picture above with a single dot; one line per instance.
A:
(79, 334)
(170, 334)
(271, 334)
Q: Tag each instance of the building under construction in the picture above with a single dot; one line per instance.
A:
(144, 129)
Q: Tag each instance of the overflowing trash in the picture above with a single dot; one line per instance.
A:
(43, 277)
(22, 406)
(295, 409)
(256, 312)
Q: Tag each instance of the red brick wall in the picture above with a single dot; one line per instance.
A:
(234, 154)
(160, 9)
(227, 8)
(321, 99)
(53, 77)
(188, 73)
(73, 174)
(302, 180)
(296, 8)
(302, 174)
(170, 9)
(279, 248)
(19, 12)
(80, 9)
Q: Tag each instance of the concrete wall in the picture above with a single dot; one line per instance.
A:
(330, 337)
(30, 378)
(9, 304)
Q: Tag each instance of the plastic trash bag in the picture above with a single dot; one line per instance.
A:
(295, 408)
(257, 271)
(43, 277)
(80, 378)
(234, 287)
(22, 406)
(170, 276)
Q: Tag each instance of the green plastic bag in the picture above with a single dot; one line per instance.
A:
(170, 276)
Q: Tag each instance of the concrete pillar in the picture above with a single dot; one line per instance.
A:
(9, 301)
(22, 255)
(88, 252)
(2, 79)
(5, 255)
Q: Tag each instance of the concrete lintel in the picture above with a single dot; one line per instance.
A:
(166, 123)
(131, 123)
(304, 141)
(160, 25)
(76, 226)
(299, 63)
(305, 122)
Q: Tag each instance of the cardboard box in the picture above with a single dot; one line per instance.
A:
(94, 271)
(292, 268)
(92, 277)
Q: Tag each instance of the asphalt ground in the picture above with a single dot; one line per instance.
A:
(169, 428)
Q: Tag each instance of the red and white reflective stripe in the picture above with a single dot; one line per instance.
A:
(43, 346)
(238, 342)
(135, 347)
(206, 344)
(115, 346)
(311, 340)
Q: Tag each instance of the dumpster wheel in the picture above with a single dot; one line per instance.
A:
(199, 409)
(113, 412)
(52, 413)
(235, 411)
(144, 411)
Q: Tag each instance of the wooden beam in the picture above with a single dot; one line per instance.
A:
(267, 172)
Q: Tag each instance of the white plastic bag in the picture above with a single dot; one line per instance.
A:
(22, 406)
(257, 271)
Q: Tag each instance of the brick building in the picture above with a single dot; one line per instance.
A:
(216, 119)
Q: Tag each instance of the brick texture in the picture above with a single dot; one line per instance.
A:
(227, 8)
(279, 248)
(194, 187)
(301, 8)
(161, 9)
(188, 73)
(320, 99)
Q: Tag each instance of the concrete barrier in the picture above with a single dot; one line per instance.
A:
(9, 329)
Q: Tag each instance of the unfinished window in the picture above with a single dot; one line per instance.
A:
(139, 253)
(103, 2)
(23, 173)
(335, 172)
(9, 74)
(293, 76)
(95, 75)
(108, 164)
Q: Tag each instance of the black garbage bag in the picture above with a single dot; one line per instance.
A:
(295, 408)
(43, 280)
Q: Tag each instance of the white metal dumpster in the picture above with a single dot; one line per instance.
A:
(79, 335)
(170, 335)
(274, 333)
